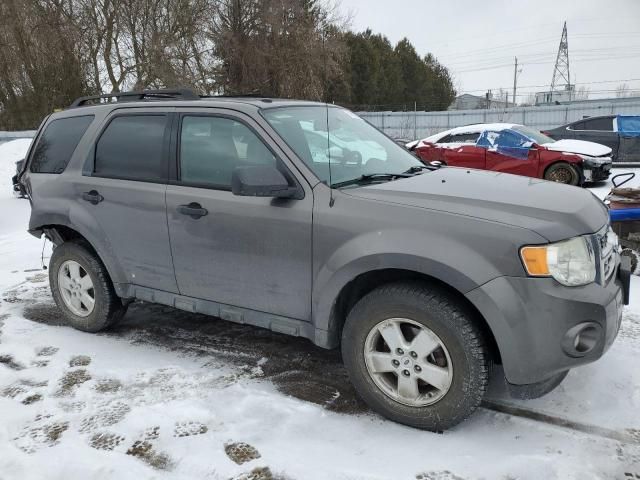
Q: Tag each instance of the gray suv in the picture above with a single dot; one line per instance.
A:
(302, 218)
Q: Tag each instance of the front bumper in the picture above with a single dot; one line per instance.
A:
(533, 320)
(595, 171)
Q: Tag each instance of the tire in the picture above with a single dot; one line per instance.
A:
(562, 172)
(634, 257)
(462, 354)
(107, 308)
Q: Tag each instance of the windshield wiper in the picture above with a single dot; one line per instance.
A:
(371, 177)
(418, 169)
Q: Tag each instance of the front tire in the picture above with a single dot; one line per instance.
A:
(563, 172)
(414, 355)
(82, 289)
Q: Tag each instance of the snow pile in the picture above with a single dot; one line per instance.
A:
(10, 153)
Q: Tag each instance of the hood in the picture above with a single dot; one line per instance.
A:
(580, 147)
(552, 210)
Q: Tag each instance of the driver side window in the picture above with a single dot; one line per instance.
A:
(211, 147)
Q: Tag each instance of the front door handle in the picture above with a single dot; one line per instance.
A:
(92, 197)
(194, 210)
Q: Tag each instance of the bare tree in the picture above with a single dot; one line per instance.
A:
(286, 48)
(582, 93)
(40, 62)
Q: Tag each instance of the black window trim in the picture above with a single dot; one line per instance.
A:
(585, 120)
(447, 138)
(176, 144)
(27, 167)
(90, 163)
(30, 152)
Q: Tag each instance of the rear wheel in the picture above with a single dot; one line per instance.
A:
(415, 356)
(82, 289)
(562, 172)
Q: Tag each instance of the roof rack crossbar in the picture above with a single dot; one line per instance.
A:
(166, 94)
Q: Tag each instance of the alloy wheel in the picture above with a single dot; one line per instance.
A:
(408, 362)
(76, 288)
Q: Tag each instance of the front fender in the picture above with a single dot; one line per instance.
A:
(325, 298)
(451, 259)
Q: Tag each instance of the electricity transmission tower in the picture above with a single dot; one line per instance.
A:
(561, 75)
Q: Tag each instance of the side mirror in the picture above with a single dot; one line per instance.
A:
(261, 181)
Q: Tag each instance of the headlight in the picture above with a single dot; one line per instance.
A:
(570, 262)
(594, 161)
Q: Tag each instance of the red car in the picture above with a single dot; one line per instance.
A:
(511, 148)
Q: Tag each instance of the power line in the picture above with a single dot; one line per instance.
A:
(575, 83)
(501, 65)
(634, 49)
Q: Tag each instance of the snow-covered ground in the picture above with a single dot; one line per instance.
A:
(171, 395)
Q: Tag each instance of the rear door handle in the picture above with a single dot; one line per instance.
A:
(193, 210)
(92, 197)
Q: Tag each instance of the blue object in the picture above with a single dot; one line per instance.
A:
(624, 214)
(507, 142)
(629, 125)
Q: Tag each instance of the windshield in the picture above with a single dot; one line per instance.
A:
(353, 147)
(534, 135)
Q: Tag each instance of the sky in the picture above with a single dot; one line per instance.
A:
(478, 40)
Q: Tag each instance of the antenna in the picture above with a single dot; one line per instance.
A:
(326, 106)
(561, 69)
(331, 199)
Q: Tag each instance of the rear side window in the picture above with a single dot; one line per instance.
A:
(460, 138)
(131, 148)
(601, 124)
(57, 143)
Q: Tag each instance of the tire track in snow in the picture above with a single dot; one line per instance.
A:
(545, 418)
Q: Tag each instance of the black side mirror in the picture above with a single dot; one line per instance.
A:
(261, 181)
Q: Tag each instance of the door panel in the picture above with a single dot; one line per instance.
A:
(246, 251)
(610, 139)
(133, 219)
(501, 162)
(598, 130)
(123, 189)
(629, 149)
(250, 252)
(469, 156)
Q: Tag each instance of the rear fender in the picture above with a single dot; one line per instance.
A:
(87, 227)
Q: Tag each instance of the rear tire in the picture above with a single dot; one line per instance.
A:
(563, 172)
(634, 257)
(82, 289)
(429, 319)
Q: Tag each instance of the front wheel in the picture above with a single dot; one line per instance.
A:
(415, 355)
(563, 172)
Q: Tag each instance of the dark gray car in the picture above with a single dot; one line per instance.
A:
(424, 276)
(625, 146)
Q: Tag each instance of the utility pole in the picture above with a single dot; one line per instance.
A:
(515, 81)
(415, 119)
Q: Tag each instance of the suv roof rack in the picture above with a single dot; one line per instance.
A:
(162, 94)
